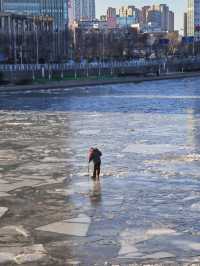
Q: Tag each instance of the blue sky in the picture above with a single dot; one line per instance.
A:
(178, 6)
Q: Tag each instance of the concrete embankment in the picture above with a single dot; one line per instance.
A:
(83, 83)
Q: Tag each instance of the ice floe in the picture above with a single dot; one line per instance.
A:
(75, 227)
(4, 194)
(3, 210)
(12, 230)
(22, 255)
(6, 257)
(14, 186)
(31, 254)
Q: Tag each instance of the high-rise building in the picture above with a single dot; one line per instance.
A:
(171, 21)
(84, 10)
(28, 49)
(127, 11)
(112, 18)
(77, 9)
(145, 10)
(111, 12)
(58, 9)
(193, 19)
(164, 10)
(71, 13)
(154, 17)
(129, 15)
(161, 17)
(185, 24)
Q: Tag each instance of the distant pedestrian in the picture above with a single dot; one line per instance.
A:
(95, 156)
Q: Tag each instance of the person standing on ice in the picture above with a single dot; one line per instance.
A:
(95, 156)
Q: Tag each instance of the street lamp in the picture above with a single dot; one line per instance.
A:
(103, 45)
(37, 42)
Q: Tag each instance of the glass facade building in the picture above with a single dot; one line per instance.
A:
(84, 9)
(165, 16)
(154, 17)
(55, 9)
(58, 9)
(193, 19)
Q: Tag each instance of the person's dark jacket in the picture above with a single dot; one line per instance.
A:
(95, 156)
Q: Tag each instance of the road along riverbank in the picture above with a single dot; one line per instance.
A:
(82, 83)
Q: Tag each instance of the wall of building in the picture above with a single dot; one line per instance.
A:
(58, 9)
(190, 18)
(25, 37)
(84, 9)
(171, 21)
(185, 25)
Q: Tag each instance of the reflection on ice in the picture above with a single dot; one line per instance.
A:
(175, 167)
(152, 148)
(64, 192)
(196, 207)
(187, 245)
(3, 210)
(159, 255)
(160, 231)
(89, 132)
(133, 241)
(130, 238)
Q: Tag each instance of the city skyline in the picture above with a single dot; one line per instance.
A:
(101, 7)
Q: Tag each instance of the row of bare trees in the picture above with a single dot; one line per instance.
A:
(47, 47)
(34, 47)
(125, 44)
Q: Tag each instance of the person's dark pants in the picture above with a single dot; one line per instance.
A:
(97, 170)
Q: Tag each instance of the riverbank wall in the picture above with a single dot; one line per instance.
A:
(85, 83)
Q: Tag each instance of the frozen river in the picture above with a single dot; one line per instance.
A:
(146, 208)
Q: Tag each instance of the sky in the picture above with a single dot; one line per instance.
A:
(177, 6)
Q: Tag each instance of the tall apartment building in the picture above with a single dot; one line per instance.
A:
(185, 24)
(111, 18)
(171, 21)
(111, 12)
(58, 9)
(193, 19)
(160, 16)
(84, 9)
(129, 11)
(129, 15)
(145, 10)
(154, 16)
(71, 12)
(126, 11)
(164, 10)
